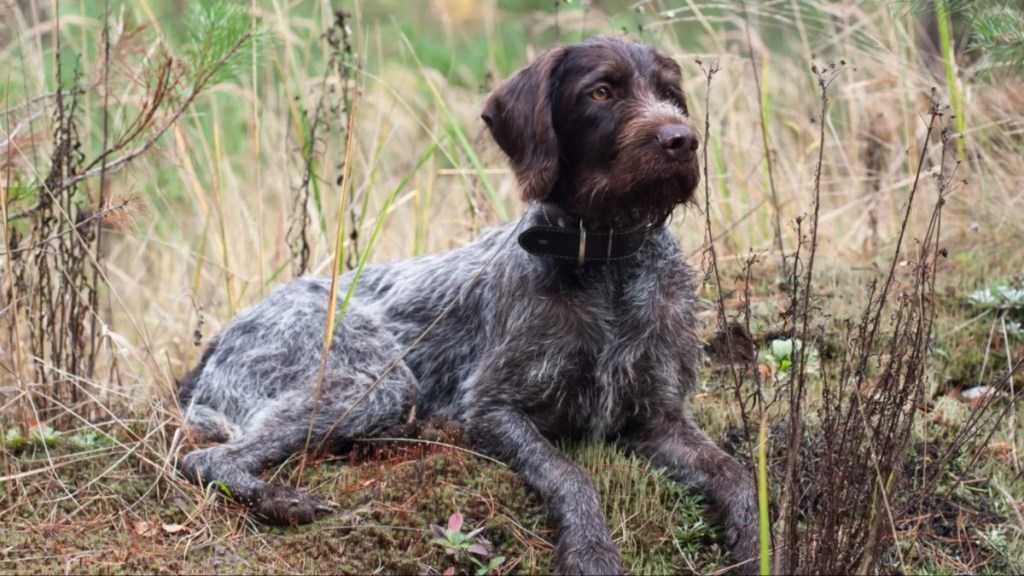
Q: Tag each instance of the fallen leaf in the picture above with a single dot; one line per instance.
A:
(976, 393)
(174, 528)
(144, 528)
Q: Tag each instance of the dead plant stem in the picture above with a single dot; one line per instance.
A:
(776, 207)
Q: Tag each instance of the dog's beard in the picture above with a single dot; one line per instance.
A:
(645, 195)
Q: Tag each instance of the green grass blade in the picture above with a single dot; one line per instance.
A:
(365, 256)
(762, 498)
(460, 138)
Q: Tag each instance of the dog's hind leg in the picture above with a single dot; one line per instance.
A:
(350, 405)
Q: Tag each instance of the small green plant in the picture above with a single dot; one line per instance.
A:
(782, 353)
(218, 487)
(91, 440)
(1006, 301)
(1002, 297)
(13, 439)
(466, 545)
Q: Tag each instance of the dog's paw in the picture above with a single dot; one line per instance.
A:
(742, 536)
(744, 547)
(588, 555)
(286, 506)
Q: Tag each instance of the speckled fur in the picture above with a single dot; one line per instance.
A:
(536, 350)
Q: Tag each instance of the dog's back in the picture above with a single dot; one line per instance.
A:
(275, 347)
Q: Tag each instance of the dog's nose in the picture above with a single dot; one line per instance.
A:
(678, 140)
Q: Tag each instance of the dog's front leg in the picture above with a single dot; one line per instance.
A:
(585, 544)
(675, 443)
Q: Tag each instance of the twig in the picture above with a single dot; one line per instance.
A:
(99, 215)
(1012, 418)
(114, 165)
(709, 247)
(935, 112)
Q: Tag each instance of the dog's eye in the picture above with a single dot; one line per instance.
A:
(601, 93)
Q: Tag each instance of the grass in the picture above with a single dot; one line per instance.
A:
(389, 497)
(331, 143)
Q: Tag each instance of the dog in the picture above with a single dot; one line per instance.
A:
(579, 329)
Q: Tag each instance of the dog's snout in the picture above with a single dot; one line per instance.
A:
(678, 140)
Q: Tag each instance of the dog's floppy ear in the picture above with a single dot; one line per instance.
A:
(518, 114)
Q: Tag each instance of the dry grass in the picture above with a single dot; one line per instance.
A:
(190, 196)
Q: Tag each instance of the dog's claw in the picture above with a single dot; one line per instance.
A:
(324, 509)
(287, 506)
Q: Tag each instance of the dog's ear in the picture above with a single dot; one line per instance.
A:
(518, 114)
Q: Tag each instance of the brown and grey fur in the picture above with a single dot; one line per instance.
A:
(536, 350)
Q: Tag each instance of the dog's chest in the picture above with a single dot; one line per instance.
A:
(611, 361)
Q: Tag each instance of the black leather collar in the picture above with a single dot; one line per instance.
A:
(574, 242)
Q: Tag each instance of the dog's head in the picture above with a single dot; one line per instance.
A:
(601, 128)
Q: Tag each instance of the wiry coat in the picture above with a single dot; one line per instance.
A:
(523, 349)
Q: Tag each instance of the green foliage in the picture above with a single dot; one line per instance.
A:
(996, 29)
(13, 439)
(91, 440)
(468, 545)
(998, 297)
(40, 436)
(218, 486)
(783, 353)
(223, 40)
(692, 533)
(44, 436)
(1007, 301)
(999, 36)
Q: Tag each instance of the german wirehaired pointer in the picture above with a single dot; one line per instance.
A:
(581, 329)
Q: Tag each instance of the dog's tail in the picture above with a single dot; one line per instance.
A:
(204, 422)
(187, 385)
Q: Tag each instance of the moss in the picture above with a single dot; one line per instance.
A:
(116, 524)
